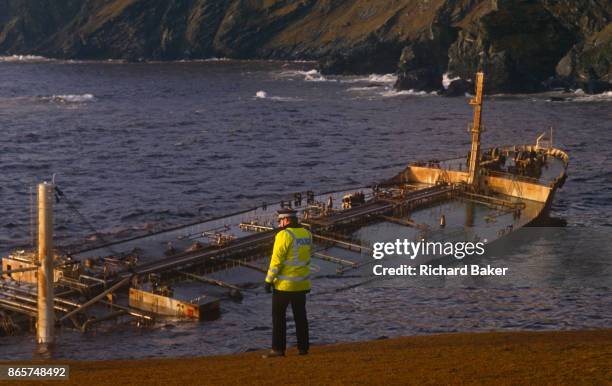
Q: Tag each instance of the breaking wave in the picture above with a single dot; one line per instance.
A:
(213, 59)
(24, 59)
(385, 78)
(366, 88)
(577, 96)
(446, 81)
(315, 76)
(373, 78)
(264, 95)
(309, 76)
(581, 96)
(70, 98)
(387, 91)
(296, 73)
(394, 93)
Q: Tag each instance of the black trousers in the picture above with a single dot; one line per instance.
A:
(280, 301)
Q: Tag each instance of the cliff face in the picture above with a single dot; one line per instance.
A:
(523, 45)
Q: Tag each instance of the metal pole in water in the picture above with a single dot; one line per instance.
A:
(476, 130)
(46, 316)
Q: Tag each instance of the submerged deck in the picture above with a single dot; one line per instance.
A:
(214, 259)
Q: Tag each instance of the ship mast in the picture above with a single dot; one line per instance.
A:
(476, 130)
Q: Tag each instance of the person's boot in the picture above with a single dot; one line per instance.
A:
(273, 354)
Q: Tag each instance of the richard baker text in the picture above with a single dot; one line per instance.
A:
(414, 249)
(439, 270)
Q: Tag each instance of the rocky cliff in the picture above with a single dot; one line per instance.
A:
(523, 45)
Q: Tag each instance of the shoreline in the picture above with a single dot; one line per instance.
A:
(550, 357)
(576, 90)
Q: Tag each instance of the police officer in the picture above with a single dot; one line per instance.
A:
(288, 276)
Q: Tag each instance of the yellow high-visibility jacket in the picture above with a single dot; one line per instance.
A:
(290, 263)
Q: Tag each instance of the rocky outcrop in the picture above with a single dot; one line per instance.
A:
(588, 65)
(523, 45)
(517, 44)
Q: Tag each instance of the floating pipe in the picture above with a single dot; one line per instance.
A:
(26, 291)
(334, 259)
(129, 311)
(96, 298)
(341, 243)
(92, 321)
(32, 300)
(208, 280)
(19, 307)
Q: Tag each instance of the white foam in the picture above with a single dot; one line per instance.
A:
(581, 96)
(370, 88)
(70, 98)
(372, 78)
(315, 76)
(24, 59)
(296, 73)
(309, 76)
(394, 93)
(603, 97)
(384, 78)
(215, 59)
(264, 95)
(446, 81)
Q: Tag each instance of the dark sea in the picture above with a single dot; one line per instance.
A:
(140, 147)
